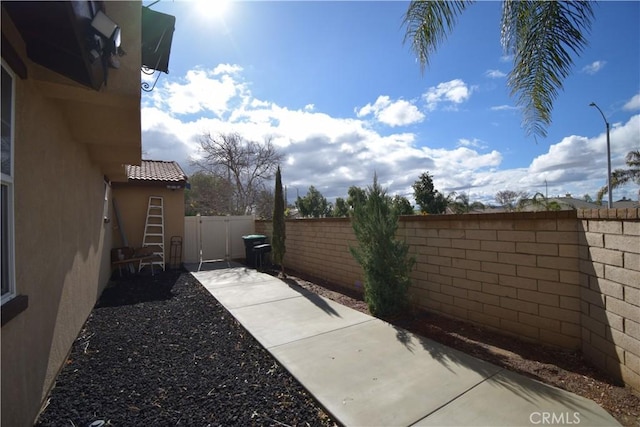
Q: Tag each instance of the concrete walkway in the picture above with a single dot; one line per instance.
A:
(366, 372)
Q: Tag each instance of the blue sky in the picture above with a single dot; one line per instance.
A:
(342, 97)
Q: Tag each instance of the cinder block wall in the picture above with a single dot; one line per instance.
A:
(610, 292)
(517, 273)
(560, 278)
(320, 248)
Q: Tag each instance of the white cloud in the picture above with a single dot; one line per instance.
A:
(580, 159)
(572, 151)
(334, 153)
(452, 93)
(633, 103)
(167, 138)
(475, 143)
(504, 107)
(256, 103)
(200, 91)
(495, 74)
(594, 67)
(392, 113)
(576, 165)
(227, 69)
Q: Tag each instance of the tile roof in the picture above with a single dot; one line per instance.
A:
(156, 170)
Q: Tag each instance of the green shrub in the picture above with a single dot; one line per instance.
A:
(385, 261)
(279, 230)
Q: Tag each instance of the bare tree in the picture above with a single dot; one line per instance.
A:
(207, 195)
(263, 208)
(245, 165)
(510, 199)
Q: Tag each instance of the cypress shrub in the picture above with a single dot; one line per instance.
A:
(384, 259)
(279, 233)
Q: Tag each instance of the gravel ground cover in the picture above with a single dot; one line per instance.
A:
(159, 351)
(162, 351)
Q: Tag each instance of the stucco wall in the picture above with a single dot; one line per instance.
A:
(61, 252)
(62, 243)
(550, 277)
(133, 200)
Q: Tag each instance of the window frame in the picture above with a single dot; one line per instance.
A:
(7, 181)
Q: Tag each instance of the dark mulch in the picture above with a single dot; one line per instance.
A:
(160, 351)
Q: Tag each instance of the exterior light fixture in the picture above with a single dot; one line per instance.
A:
(610, 201)
(108, 29)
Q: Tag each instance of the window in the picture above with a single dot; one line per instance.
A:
(6, 208)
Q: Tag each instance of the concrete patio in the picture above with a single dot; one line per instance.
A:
(366, 372)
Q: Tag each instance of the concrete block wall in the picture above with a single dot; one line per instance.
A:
(610, 291)
(569, 279)
(320, 248)
(516, 272)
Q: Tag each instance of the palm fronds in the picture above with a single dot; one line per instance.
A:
(428, 24)
(542, 36)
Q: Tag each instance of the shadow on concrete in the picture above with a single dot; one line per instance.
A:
(315, 299)
(528, 389)
(211, 266)
(404, 337)
(477, 341)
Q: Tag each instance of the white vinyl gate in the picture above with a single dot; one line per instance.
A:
(219, 237)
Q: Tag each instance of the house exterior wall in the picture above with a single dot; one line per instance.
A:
(558, 278)
(61, 252)
(62, 242)
(132, 201)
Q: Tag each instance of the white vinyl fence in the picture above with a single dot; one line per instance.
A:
(219, 237)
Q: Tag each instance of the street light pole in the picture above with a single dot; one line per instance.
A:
(593, 104)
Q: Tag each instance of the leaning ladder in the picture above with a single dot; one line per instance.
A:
(154, 232)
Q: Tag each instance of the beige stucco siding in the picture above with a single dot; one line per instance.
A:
(62, 243)
(133, 200)
(61, 251)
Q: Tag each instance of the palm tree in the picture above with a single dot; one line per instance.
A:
(620, 177)
(540, 35)
(462, 205)
(540, 202)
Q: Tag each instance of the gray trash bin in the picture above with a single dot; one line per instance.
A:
(259, 252)
(250, 241)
